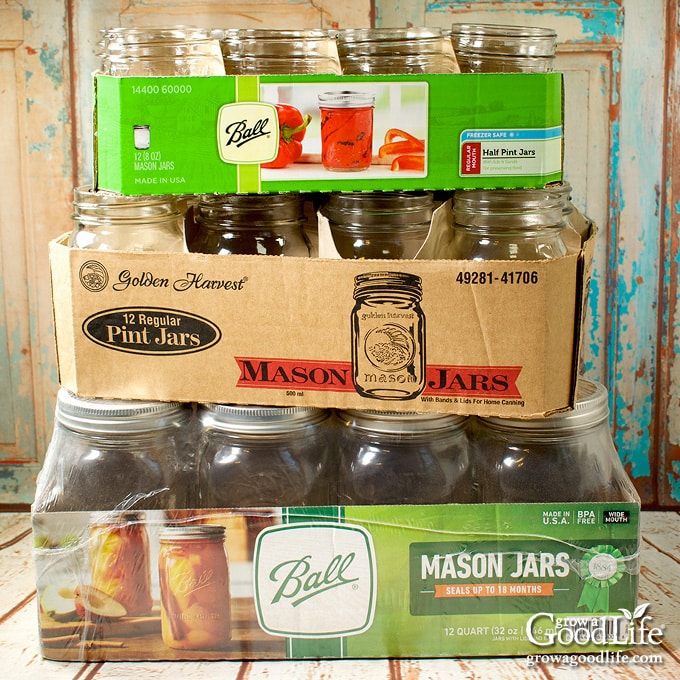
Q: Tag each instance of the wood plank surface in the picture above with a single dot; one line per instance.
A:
(659, 585)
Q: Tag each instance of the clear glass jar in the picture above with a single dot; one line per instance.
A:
(195, 590)
(396, 50)
(346, 130)
(566, 457)
(262, 456)
(402, 458)
(103, 220)
(242, 224)
(512, 224)
(119, 560)
(492, 48)
(251, 51)
(381, 224)
(388, 336)
(162, 51)
(111, 454)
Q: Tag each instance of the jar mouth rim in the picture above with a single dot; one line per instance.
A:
(399, 423)
(131, 35)
(389, 34)
(511, 40)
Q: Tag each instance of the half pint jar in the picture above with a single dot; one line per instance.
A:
(507, 224)
(565, 457)
(114, 454)
(262, 456)
(402, 458)
(103, 220)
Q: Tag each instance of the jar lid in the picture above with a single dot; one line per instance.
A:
(192, 532)
(379, 209)
(252, 419)
(392, 422)
(529, 41)
(346, 99)
(508, 208)
(114, 416)
(591, 407)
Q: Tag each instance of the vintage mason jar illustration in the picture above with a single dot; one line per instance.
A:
(388, 336)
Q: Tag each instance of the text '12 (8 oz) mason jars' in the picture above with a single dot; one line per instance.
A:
(160, 51)
(493, 48)
(381, 224)
(109, 454)
(402, 458)
(566, 457)
(512, 224)
(103, 220)
(264, 456)
(242, 224)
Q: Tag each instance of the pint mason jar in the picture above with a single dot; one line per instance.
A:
(346, 130)
(160, 51)
(103, 220)
(110, 454)
(194, 582)
(396, 50)
(402, 458)
(512, 224)
(381, 224)
(119, 560)
(250, 51)
(492, 48)
(262, 456)
(566, 457)
(388, 336)
(243, 224)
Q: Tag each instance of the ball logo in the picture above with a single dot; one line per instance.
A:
(93, 276)
(248, 132)
(315, 580)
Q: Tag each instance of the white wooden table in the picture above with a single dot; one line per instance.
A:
(20, 656)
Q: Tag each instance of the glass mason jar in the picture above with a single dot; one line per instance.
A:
(162, 51)
(381, 224)
(346, 130)
(566, 457)
(402, 458)
(110, 454)
(251, 51)
(492, 48)
(103, 220)
(396, 50)
(512, 224)
(119, 560)
(242, 224)
(194, 582)
(388, 336)
(262, 456)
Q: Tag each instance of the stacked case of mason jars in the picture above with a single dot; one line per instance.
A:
(150, 516)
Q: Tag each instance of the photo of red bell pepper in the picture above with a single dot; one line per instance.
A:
(405, 151)
(292, 129)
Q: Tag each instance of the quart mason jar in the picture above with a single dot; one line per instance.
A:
(512, 224)
(110, 454)
(262, 456)
(566, 457)
(103, 220)
(276, 52)
(243, 224)
(160, 51)
(402, 458)
(381, 224)
(195, 590)
(492, 48)
(396, 50)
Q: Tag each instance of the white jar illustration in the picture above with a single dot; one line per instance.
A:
(388, 336)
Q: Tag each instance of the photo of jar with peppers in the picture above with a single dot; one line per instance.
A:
(376, 128)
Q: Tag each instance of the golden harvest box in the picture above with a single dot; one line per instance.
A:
(489, 338)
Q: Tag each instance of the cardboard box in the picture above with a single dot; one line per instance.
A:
(178, 135)
(487, 338)
(339, 582)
